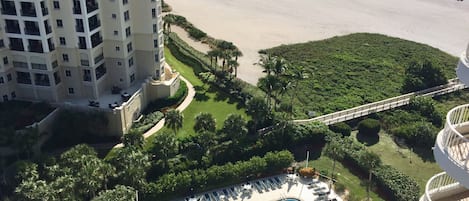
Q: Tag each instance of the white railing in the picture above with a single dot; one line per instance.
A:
(439, 183)
(363, 110)
(454, 144)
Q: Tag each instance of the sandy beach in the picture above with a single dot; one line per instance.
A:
(258, 24)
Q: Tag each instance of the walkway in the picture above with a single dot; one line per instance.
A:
(390, 103)
(187, 101)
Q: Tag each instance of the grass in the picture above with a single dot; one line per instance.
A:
(404, 159)
(354, 184)
(207, 99)
(355, 69)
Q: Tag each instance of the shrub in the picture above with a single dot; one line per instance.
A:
(423, 75)
(174, 100)
(369, 127)
(196, 33)
(421, 134)
(341, 128)
(147, 121)
(177, 183)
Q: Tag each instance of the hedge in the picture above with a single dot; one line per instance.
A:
(177, 184)
(341, 128)
(369, 127)
(397, 185)
(174, 100)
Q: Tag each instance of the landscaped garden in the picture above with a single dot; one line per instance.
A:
(348, 71)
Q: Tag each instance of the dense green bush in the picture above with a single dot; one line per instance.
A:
(426, 107)
(148, 121)
(196, 33)
(420, 134)
(396, 184)
(181, 182)
(369, 127)
(423, 75)
(341, 128)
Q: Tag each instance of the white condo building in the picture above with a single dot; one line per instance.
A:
(95, 54)
(451, 150)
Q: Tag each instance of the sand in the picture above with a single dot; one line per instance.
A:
(258, 24)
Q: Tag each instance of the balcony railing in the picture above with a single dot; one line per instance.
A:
(9, 10)
(90, 7)
(455, 144)
(85, 62)
(77, 9)
(32, 31)
(28, 13)
(45, 11)
(38, 66)
(12, 29)
(437, 184)
(98, 58)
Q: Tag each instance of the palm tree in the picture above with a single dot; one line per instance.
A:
(267, 62)
(236, 53)
(133, 138)
(214, 54)
(333, 150)
(372, 161)
(204, 122)
(295, 77)
(168, 20)
(165, 147)
(233, 64)
(173, 120)
(235, 127)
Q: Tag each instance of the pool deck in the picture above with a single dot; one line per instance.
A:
(263, 190)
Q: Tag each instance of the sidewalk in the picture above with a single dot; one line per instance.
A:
(187, 101)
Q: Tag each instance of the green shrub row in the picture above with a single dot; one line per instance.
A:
(200, 180)
(148, 121)
(397, 185)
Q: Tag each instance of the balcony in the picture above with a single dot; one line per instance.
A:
(98, 58)
(12, 29)
(94, 24)
(76, 7)
(442, 187)
(35, 46)
(96, 39)
(8, 8)
(91, 5)
(451, 149)
(463, 68)
(16, 44)
(32, 31)
(28, 9)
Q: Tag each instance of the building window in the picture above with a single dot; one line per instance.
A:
(1, 80)
(155, 43)
(128, 32)
(87, 75)
(41, 79)
(132, 78)
(153, 13)
(68, 73)
(5, 97)
(5, 60)
(118, 48)
(119, 63)
(59, 23)
(155, 28)
(62, 41)
(114, 16)
(57, 78)
(125, 1)
(13, 94)
(2, 44)
(116, 33)
(65, 57)
(157, 57)
(9, 77)
(131, 61)
(71, 91)
(126, 15)
(23, 78)
(129, 47)
(56, 5)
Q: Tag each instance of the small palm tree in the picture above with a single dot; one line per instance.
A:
(204, 122)
(372, 161)
(173, 120)
(333, 150)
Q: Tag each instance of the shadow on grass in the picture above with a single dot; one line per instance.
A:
(425, 153)
(367, 140)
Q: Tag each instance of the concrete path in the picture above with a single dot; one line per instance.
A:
(187, 101)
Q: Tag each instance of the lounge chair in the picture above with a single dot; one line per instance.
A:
(226, 193)
(215, 196)
(273, 183)
(257, 186)
(278, 180)
(234, 191)
(207, 197)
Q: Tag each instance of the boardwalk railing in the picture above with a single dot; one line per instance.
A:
(390, 103)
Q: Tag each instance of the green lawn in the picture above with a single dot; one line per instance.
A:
(355, 69)
(404, 159)
(353, 184)
(207, 99)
